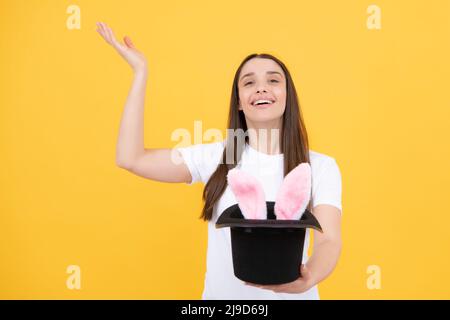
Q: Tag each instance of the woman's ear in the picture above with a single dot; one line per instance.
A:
(294, 194)
(249, 193)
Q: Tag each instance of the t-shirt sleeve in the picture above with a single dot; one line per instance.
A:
(201, 160)
(329, 186)
(188, 155)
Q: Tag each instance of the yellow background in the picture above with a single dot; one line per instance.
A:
(375, 100)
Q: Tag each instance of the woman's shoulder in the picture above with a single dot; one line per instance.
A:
(209, 146)
(202, 159)
(320, 161)
(214, 145)
(318, 156)
(203, 153)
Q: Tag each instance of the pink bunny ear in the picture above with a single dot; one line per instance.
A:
(249, 194)
(294, 193)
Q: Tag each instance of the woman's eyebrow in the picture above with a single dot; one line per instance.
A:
(273, 72)
(252, 73)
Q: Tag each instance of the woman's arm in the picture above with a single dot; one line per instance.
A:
(155, 164)
(130, 142)
(327, 245)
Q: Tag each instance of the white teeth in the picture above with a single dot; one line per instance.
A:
(262, 101)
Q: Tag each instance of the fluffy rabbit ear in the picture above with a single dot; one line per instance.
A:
(249, 193)
(294, 193)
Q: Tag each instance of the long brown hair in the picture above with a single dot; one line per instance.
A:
(294, 138)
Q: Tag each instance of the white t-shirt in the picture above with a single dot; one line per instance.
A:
(202, 160)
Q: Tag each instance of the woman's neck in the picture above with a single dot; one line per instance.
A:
(265, 139)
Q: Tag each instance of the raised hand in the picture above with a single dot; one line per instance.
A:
(127, 50)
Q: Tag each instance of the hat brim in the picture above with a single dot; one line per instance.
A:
(232, 217)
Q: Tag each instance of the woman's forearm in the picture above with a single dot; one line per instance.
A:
(323, 260)
(130, 142)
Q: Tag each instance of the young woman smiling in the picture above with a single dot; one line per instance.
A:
(263, 99)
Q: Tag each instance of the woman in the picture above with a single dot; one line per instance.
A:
(265, 107)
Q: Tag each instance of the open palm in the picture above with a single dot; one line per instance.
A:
(127, 50)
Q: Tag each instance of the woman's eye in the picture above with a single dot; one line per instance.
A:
(273, 80)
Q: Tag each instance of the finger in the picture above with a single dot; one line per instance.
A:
(251, 284)
(102, 31)
(254, 284)
(114, 41)
(281, 288)
(100, 25)
(128, 42)
(268, 287)
(274, 287)
(106, 33)
(98, 30)
(106, 30)
(277, 288)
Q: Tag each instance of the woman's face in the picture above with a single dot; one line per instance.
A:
(262, 91)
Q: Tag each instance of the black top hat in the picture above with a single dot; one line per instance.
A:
(266, 251)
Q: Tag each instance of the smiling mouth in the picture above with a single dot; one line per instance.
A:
(262, 103)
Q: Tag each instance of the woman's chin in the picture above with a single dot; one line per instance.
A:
(262, 117)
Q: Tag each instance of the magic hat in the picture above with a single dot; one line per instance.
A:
(267, 237)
